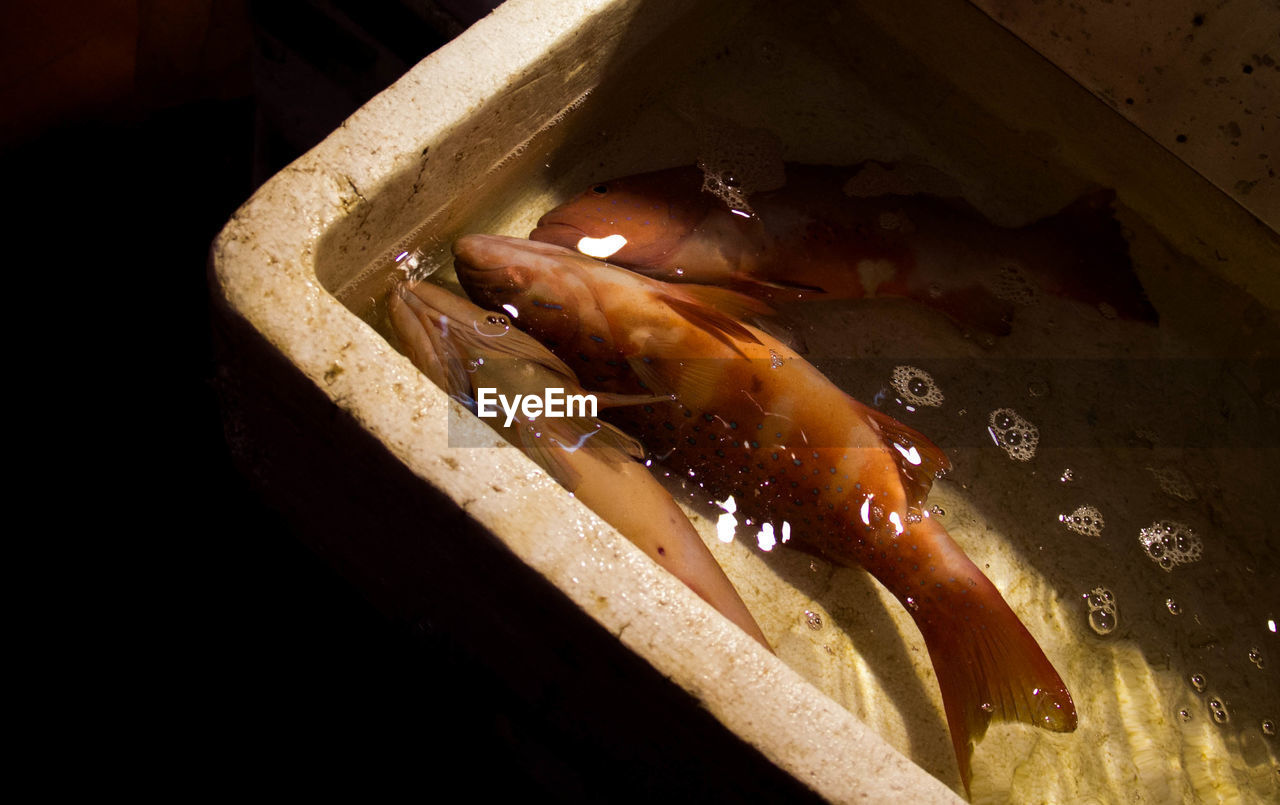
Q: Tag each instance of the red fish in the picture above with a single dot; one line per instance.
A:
(814, 239)
(464, 348)
(752, 419)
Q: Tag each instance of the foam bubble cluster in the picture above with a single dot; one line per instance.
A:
(1103, 616)
(916, 386)
(737, 161)
(1169, 543)
(1013, 284)
(1085, 520)
(1174, 482)
(1013, 434)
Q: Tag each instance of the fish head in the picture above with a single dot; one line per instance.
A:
(454, 341)
(637, 221)
(548, 290)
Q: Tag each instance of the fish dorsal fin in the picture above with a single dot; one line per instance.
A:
(715, 323)
(919, 460)
(772, 287)
(727, 301)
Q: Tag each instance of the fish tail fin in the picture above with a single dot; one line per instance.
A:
(989, 667)
(1092, 256)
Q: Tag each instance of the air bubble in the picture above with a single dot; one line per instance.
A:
(916, 386)
(1170, 543)
(1198, 682)
(1085, 520)
(775, 360)
(1184, 714)
(1218, 711)
(988, 707)
(1038, 388)
(1102, 621)
(1013, 434)
(1103, 617)
(1067, 476)
(1053, 711)
(1268, 728)
(1255, 657)
(912, 605)
(813, 619)
(1173, 606)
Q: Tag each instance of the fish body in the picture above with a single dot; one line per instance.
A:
(817, 238)
(748, 417)
(463, 348)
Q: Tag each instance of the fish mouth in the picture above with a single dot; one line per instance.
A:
(420, 316)
(557, 232)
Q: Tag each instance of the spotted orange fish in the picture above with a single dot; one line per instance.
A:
(814, 238)
(748, 417)
(463, 348)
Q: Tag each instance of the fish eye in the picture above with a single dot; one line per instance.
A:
(600, 189)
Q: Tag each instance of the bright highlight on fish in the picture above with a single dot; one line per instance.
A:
(601, 247)
(743, 415)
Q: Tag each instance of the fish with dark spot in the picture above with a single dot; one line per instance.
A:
(868, 511)
(819, 237)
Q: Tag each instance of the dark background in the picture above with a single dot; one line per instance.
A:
(133, 130)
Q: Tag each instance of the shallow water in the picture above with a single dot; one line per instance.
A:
(1172, 431)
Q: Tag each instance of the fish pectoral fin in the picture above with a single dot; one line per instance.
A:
(607, 437)
(552, 457)
(555, 443)
(651, 378)
(720, 326)
(920, 461)
(694, 381)
(587, 433)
